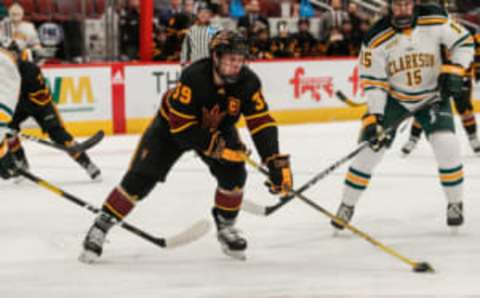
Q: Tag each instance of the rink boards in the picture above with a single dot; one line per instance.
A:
(122, 97)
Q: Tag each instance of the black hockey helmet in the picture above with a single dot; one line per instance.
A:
(227, 42)
(401, 22)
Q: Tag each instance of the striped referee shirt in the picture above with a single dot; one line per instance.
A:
(195, 43)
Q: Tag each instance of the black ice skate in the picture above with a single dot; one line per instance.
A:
(455, 214)
(409, 146)
(22, 163)
(95, 238)
(344, 213)
(474, 143)
(233, 245)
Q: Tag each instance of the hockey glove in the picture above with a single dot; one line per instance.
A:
(220, 149)
(279, 174)
(374, 132)
(450, 80)
(212, 119)
(8, 167)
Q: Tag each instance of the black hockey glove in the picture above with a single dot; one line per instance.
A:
(219, 148)
(279, 174)
(450, 80)
(8, 168)
(211, 119)
(374, 132)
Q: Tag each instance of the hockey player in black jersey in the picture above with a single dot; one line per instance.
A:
(35, 100)
(200, 114)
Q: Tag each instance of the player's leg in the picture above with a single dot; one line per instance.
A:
(439, 126)
(231, 178)
(14, 143)
(51, 122)
(465, 109)
(153, 159)
(415, 134)
(362, 167)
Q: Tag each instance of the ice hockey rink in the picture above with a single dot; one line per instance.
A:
(292, 253)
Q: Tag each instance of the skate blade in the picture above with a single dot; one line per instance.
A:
(88, 257)
(97, 179)
(18, 180)
(237, 255)
(454, 230)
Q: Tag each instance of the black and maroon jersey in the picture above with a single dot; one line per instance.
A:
(34, 89)
(182, 108)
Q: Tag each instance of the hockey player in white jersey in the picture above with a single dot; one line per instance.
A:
(400, 65)
(9, 90)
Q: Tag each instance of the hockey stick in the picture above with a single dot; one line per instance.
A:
(416, 266)
(74, 148)
(187, 236)
(342, 97)
(256, 209)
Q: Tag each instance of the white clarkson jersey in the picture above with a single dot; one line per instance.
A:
(9, 90)
(405, 65)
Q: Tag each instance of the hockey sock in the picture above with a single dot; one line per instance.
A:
(359, 175)
(227, 206)
(15, 146)
(119, 203)
(469, 122)
(447, 152)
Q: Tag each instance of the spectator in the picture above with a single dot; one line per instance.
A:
(332, 20)
(196, 42)
(304, 40)
(270, 8)
(174, 8)
(283, 44)
(22, 32)
(3, 11)
(129, 30)
(341, 41)
(261, 44)
(253, 16)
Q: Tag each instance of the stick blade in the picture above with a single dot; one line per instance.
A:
(253, 208)
(423, 267)
(193, 233)
(88, 143)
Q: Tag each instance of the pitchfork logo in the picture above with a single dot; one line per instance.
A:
(313, 85)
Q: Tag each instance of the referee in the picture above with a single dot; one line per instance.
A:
(195, 43)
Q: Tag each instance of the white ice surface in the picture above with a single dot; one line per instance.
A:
(290, 254)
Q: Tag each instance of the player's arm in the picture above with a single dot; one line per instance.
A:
(264, 132)
(9, 90)
(460, 45)
(374, 79)
(476, 60)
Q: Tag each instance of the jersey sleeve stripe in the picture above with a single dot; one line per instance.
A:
(467, 38)
(255, 116)
(6, 109)
(382, 38)
(183, 127)
(373, 78)
(262, 127)
(181, 115)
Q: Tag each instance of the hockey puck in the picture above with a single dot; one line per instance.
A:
(423, 267)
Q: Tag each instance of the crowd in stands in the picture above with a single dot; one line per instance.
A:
(337, 32)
